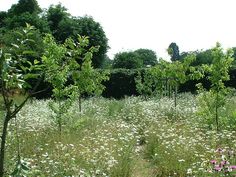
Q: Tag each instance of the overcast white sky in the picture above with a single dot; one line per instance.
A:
(154, 24)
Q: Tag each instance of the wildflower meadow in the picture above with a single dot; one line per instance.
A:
(131, 137)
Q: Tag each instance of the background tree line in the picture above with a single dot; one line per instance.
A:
(57, 21)
(54, 20)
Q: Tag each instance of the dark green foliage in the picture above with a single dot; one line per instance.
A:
(135, 59)
(23, 6)
(107, 63)
(63, 26)
(173, 51)
(121, 83)
(232, 81)
(190, 85)
(97, 37)
(202, 57)
(3, 16)
(66, 28)
(13, 36)
(148, 56)
(25, 11)
(58, 17)
(57, 21)
(127, 60)
(20, 20)
(234, 57)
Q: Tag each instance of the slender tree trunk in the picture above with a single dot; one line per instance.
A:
(60, 113)
(59, 118)
(59, 125)
(169, 90)
(80, 102)
(3, 144)
(217, 116)
(175, 96)
(166, 87)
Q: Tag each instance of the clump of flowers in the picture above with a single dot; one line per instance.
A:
(224, 162)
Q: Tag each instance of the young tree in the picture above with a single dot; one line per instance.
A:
(15, 69)
(218, 73)
(86, 79)
(68, 68)
(150, 82)
(57, 67)
(165, 76)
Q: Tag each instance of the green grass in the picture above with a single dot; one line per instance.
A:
(125, 138)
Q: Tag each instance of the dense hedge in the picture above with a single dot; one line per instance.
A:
(122, 83)
(190, 86)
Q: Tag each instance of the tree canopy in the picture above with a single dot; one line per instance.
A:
(23, 6)
(55, 15)
(56, 21)
(135, 59)
(128, 60)
(147, 56)
(25, 11)
(202, 56)
(63, 25)
(97, 37)
(173, 51)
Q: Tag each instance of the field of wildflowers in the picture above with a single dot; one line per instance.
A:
(131, 137)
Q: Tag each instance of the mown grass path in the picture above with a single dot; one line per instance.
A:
(142, 167)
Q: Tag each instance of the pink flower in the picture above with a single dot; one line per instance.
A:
(213, 161)
(233, 167)
(224, 162)
(217, 168)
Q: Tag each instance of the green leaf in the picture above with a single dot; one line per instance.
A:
(25, 167)
(29, 63)
(36, 62)
(15, 172)
(20, 85)
(28, 52)
(30, 40)
(15, 45)
(23, 68)
(18, 33)
(17, 169)
(30, 76)
(27, 85)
